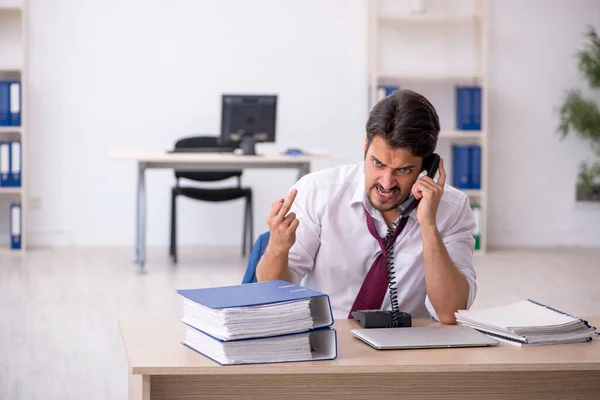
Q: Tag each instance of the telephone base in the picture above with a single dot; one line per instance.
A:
(381, 319)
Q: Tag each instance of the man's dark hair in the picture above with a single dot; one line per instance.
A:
(405, 119)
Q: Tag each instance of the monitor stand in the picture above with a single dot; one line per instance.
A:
(247, 144)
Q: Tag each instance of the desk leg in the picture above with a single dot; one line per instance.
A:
(141, 218)
(303, 169)
(139, 387)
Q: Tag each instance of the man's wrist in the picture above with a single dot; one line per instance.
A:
(276, 252)
(429, 230)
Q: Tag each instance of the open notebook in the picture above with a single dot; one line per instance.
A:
(528, 322)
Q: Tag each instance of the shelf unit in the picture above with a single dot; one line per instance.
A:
(426, 51)
(13, 61)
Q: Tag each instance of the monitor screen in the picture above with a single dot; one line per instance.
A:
(248, 115)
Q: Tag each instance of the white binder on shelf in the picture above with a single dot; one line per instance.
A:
(15, 103)
(15, 226)
(4, 164)
(15, 163)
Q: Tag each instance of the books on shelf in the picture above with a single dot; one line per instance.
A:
(468, 108)
(10, 103)
(528, 323)
(10, 163)
(466, 166)
(384, 91)
(262, 322)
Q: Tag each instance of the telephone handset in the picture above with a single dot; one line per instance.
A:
(431, 165)
(395, 318)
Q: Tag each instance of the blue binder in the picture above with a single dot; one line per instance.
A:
(213, 343)
(254, 294)
(384, 91)
(4, 103)
(15, 103)
(475, 167)
(15, 226)
(476, 112)
(460, 167)
(468, 108)
(463, 108)
(323, 342)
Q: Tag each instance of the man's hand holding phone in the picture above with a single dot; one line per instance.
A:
(429, 192)
(282, 225)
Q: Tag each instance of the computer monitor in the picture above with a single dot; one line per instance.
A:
(247, 119)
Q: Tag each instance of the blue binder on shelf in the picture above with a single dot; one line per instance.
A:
(384, 91)
(15, 164)
(468, 108)
(475, 167)
(460, 167)
(240, 324)
(476, 112)
(15, 103)
(4, 164)
(4, 103)
(15, 226)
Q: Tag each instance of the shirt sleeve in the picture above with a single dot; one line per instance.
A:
(459, 242)
(308, 235)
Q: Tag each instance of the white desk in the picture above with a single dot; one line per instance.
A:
(203, 162)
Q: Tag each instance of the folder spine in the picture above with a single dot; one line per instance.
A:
(475, 167)
(460, 157)
(468, 108)
(4, 103)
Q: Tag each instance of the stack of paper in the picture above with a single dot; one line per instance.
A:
(259, 323)
(249, 322)
(528, 323)
(298, 347)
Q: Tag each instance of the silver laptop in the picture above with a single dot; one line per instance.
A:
(423, 337)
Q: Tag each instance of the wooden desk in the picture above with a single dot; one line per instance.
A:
(203, 162)
(161, 368)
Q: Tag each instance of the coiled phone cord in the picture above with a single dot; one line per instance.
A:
(389, 257)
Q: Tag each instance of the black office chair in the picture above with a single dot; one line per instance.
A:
(209, 194)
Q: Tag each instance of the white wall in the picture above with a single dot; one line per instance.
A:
(134, 74)
(533, 173)
(118, 75)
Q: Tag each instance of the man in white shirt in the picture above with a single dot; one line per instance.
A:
(323, 235)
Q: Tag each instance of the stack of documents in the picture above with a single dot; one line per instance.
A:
(528, 323)
(259, 323)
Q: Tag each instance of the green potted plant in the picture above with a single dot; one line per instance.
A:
(582, 116)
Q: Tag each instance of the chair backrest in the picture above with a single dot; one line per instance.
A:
(203, 141)
(257, 252)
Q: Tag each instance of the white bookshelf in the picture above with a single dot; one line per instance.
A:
(435, 49)
(13, 62)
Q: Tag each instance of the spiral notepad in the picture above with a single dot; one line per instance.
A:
(528, 322)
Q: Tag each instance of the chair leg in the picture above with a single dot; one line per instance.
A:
(245, 230)
(251, 215)
(173, 245)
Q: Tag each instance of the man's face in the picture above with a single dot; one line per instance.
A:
(389, 174)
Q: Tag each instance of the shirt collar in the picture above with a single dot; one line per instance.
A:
(360, 197)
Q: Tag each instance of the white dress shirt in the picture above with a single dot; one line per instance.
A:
(334, 249)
